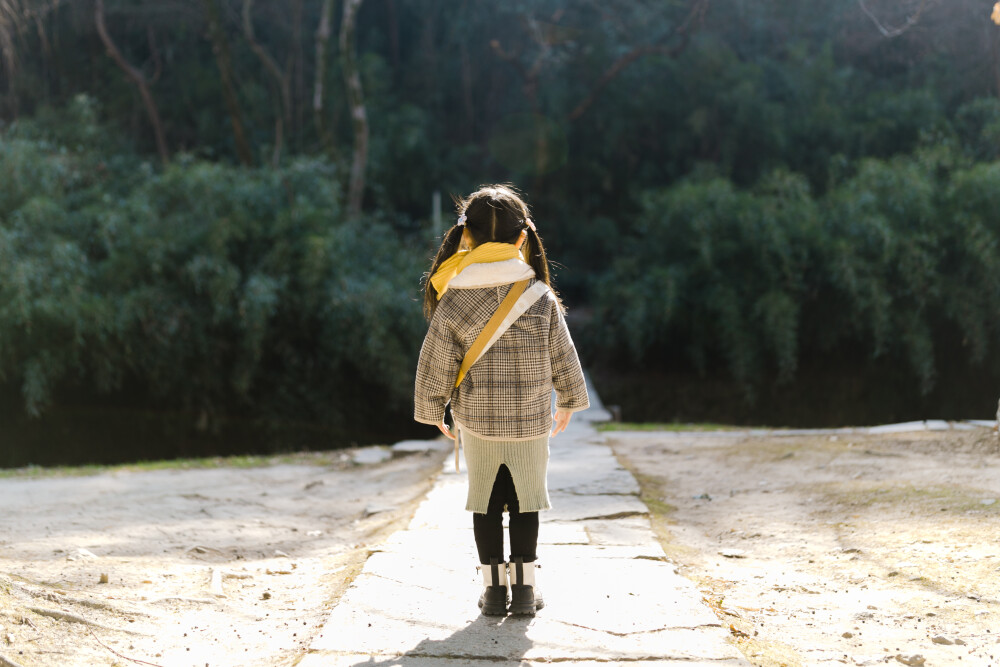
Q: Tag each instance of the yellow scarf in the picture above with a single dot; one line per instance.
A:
(454, 265)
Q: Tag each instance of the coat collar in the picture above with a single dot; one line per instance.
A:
(491, 274)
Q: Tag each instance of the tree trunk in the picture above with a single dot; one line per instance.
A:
(43, 38)
(356, 100)
(467, 86)
(46, 59)
(9, 27)
(393, 28)
(281, 80)
(322, 41)
(995, 53)
(136, 76)
(298, 68)
(220, 47)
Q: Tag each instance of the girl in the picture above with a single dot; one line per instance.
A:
(501, 403)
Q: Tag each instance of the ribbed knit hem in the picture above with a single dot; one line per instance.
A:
(492, 438)
(579, 408)
(527, 461)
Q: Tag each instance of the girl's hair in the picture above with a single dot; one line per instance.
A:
(493, 213)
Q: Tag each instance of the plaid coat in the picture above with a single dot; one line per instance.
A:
(506, 394)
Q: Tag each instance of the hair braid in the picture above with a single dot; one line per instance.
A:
(493, 219)
(449, 246)
(494, 213)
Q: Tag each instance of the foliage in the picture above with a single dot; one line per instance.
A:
(215, 290)
(894, 260)
(716, 272)
(736, 193)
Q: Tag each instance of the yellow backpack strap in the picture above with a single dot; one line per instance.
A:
(515, 292)
(484, 337)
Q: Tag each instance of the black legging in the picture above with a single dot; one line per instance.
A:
(488, 527)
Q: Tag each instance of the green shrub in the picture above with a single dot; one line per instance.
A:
(213, 290)
(900, 260)
(715, 275)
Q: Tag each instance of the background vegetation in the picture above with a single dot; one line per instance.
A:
(214, 214)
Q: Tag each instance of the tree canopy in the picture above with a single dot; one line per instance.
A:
(224, 207)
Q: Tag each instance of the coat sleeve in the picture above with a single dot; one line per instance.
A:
(437, 369)
(567, 375)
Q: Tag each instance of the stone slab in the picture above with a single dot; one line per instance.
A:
(326, 659)
(574, 507)
(444, 506)
(626, 531)
(621, 596)
(608, 482)
(371, 455)
(572, 552)
(589, 469)
(902, 427)
(438, 444)
(611, 596)
(622, 532)
(430, 541)
(364, 630)
(556, 532)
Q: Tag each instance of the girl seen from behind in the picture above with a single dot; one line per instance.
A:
(496, 347)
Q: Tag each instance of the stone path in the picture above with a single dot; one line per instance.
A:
(611, 595)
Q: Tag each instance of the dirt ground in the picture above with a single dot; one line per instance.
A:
(837, 549)
(841, 549)
(220, 567)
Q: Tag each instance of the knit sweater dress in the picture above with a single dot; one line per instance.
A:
(503, 408)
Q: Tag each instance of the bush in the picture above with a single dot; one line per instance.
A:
(715, 276)
(898, 261)
(215, 291)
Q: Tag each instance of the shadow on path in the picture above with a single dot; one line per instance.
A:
(489, 638)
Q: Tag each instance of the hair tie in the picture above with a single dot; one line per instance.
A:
(461, 221)
(528, 222)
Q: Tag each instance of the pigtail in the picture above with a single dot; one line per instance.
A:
(534, 250)
(498, 214)
(449, 246)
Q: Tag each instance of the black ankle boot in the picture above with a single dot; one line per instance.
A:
(493, 601)
(525, 598)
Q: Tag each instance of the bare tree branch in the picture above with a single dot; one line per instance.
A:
(155, 55)
(11, 20)
(696, 15)
(393, 29)
(220, 47)
(355, 96)
(893, 32)
(137, 78)
(529, 75)
(14, 15)
(322, 41)
(43, 38)
(297, 66)
(281, 79)
(265, 57)
(611, 73)
(42, 8)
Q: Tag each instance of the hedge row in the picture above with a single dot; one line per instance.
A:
(211, 290)
(901, 260)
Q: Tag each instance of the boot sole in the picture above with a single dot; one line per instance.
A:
(495, 607)
(489, 610)
(519, 606)
(523, 610)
